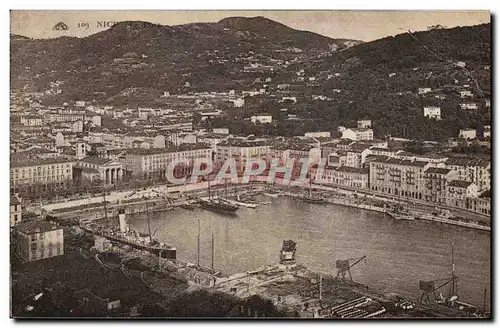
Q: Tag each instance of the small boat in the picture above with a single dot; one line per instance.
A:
(401, 215)
(271, 195)
(239, 203)
(187, 207)
(314, 200)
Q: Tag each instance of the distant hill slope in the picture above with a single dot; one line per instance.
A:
(350, 80)
(131, 54)
(381, 80)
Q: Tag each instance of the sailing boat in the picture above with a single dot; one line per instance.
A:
(217, 204)
(311, 199)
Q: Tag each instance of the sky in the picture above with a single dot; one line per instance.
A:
(358, 25)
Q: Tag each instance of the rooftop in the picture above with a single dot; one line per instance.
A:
(33, 227)
(437, 170)
(22, 162)
(467, 162)
(459, 183)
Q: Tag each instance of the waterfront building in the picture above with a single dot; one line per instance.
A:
(153, 163)
(34, 174)
(435, 181)
(36, 240)
(240, 151)
(458, 192)
(475, 170)
(344, 176)
(397, 177)
(481, 204)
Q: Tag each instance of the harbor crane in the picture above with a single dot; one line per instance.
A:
(344, 267)
(429, 288)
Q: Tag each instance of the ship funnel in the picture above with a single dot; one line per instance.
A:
(123, 223)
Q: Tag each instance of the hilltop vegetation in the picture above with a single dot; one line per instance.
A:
(379, 80)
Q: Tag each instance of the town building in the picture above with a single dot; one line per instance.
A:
(264, 118)
(108, 171)
(154, 163)
(400, 178)
(364, 124)
(240, 151)
(423, 91)
(16, 212)
(468, 106)
(458, 192)
(357, 134)
(33, 174)
(432, 112)
(467, 133)
(36, 240)
(487, 131)
(474, 170)
(465, 93)
(436, 180)
(318, 134)
(345, 176)
(220, 130)
(32, 120)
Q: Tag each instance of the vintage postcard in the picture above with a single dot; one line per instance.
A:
(250, 164)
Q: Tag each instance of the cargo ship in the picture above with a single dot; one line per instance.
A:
(133, 239)
(122, 234)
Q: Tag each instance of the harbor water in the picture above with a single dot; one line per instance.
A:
(399, 253)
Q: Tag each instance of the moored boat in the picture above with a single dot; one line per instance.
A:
(216, 205)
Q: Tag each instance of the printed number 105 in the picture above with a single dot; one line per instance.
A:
(84, 25)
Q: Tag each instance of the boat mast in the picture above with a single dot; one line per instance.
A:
(105, 207)
(198, 254)
(149, 225)
(209, 193)
(225, 188)
(453, 287)
(212, 250)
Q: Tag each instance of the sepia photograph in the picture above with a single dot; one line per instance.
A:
(258, 164)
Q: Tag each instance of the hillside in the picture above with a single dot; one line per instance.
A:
(380, 80)
(335, 81)
(141, 54)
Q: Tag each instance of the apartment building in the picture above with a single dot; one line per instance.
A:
(358, 134)
(474, 170)
(436, 181)
(345, 176)
(34, 174)
(36, 240)
(401, 178)
(458, 192)
(153, 163)
(240, 151)
(16, 212)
